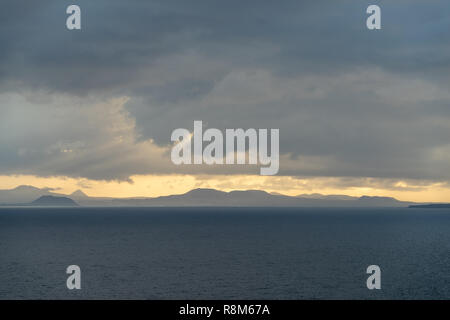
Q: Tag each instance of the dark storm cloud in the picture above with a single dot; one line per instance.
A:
(120, 37)
(353, 102)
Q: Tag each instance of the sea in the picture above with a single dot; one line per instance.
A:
(224, 253)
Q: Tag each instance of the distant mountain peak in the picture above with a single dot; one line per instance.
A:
(26, 188)
(79, 194)
(203, 191)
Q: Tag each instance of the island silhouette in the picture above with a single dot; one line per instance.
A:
(32, 196)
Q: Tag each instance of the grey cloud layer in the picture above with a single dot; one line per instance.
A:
(347, 101)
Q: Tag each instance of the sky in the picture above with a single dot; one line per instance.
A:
(360, 112)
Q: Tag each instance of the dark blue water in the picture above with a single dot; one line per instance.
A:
(224, 253)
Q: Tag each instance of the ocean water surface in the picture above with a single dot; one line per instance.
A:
(224, 253)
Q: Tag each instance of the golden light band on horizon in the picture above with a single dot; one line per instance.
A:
(162, 185)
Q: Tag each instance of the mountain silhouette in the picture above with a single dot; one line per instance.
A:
(253, 198)
(24, 194)
(28, 195)
(78, 194)
(54, 201)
